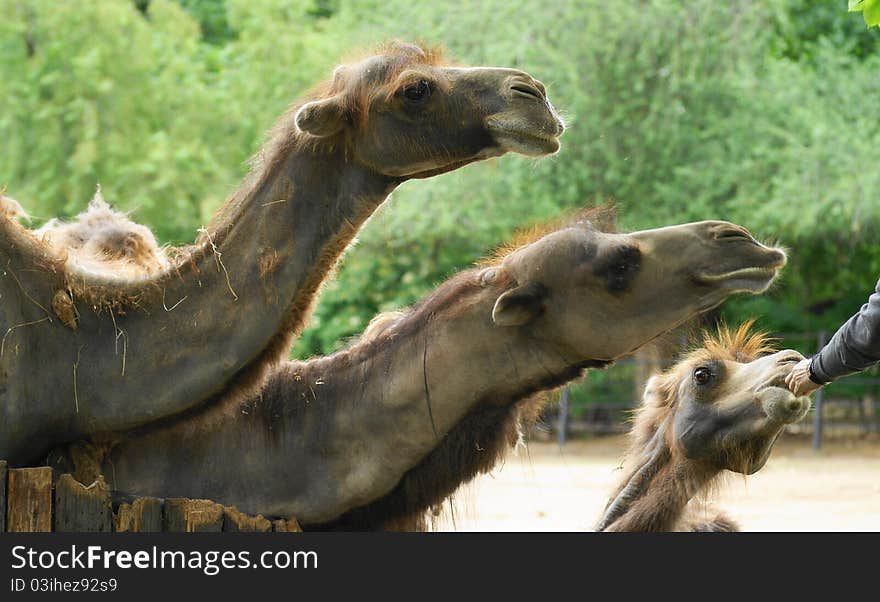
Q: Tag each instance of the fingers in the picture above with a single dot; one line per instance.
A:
(798, 380)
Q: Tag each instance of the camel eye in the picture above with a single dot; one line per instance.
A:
(702, 375)
(417, 92)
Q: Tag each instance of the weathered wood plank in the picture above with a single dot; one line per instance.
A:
(29, 500)
(143, 515)
(3, 469)
(286, 526)
(80, 508)
(192, 516)
(234, 520)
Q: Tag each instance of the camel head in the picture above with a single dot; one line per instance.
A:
(406, 114)
(719, 408)
(600, 295)
(727, 401)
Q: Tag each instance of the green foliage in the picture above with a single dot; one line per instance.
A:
(757, 112)
(800, 24)
(870, 10)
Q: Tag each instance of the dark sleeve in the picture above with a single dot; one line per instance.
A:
(854, 347)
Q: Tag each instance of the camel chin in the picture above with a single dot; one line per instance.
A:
(512, 135)
(524, 143)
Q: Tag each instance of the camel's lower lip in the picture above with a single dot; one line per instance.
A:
(524, 142)
(752, 279)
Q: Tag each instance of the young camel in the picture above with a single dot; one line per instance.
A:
(719, 409)
(373, 436)
(86, 350)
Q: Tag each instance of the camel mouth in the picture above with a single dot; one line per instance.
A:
(532, 142)
(751, 280)
(781, 405)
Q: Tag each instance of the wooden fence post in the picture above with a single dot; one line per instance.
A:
(81, 509)
(236, 521)
(143, 515)
(29, 500)
(286, 526)
(192, 516)
(2, 495)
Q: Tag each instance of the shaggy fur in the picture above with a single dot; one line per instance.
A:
(10, 209)
(105, 240)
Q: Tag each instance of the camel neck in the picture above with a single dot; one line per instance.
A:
(363, 419)
(235, 306)
(656, 493)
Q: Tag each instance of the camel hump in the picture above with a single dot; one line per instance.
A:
(103, 240)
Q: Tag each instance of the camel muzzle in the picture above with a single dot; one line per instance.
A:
(782, 406)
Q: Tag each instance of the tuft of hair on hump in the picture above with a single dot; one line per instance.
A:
(601, 218)
(11, 209)
(104, 239)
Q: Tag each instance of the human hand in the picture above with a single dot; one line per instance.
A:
(799, 381)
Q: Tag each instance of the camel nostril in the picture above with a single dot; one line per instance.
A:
(525, 90)
(540, 87)
(733, 233)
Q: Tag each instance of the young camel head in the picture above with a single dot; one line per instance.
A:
(601, 295)
(720, 408)
(729, 401)
(406, 114)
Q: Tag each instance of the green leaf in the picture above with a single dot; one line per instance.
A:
(872, 14)
(870, 10)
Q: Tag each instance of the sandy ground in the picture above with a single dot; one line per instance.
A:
(545, 488)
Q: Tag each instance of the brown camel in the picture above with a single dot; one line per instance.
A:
(86, 351)
(719, 409)
(374, 435)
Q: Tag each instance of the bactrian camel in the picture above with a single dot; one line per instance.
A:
(87, 351)
(373, 436)
(719, 409)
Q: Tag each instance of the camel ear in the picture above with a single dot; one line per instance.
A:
(519, 305)
(321, 117)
